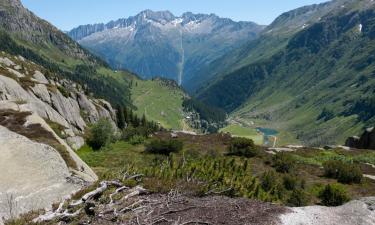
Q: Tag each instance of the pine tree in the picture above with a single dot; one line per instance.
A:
(143, 121)
(120, 118)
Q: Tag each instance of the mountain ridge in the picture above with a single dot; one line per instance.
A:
(159, 16)
(160, 44)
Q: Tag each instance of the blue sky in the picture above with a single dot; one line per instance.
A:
(67, 14)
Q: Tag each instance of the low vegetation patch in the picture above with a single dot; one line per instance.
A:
(283, 162)
(157, 146)
(334, 195)
(196, 170)
(346, 173)
(243, 147)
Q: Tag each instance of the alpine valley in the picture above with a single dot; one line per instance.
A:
(191, 119)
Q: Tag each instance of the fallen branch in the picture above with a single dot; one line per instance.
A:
(56, 215)
(138, 190)
(118, 190)
(135, 176)
(91, 194)
(195, 222)
(178, 210)
(103, 187)
(213, 191)
(131, 207)
(59, 213)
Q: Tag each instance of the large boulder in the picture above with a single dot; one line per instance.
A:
(357, 212)
(34, 175)
(366, 141)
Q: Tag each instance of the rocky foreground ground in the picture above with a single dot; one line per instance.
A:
(113, 203)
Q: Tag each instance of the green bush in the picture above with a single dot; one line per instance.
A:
(129, 132)
(269, 180)
(100, 134)
(137, 140)
(344, 172)
(331, 168)
(290, 182)
(283, 162)
(334, 195)
(298, 198)
(349, 174)
(162, 147)
(242, 147)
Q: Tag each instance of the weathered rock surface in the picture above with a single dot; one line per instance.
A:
(357, 212)
(72, 110)
(366, 141)
(69, 109)
(40, 77)
(32, 175)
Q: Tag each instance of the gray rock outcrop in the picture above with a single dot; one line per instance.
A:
(357, 212)
(71, 109)
(32, 175)
(366, 141)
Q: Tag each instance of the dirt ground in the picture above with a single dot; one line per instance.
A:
(177, 209)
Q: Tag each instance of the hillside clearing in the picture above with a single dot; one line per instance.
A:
(159, 102)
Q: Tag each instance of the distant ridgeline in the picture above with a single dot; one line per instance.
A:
(160, 43)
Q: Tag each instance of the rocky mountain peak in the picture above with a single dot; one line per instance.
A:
(6, 4)
(159, 16)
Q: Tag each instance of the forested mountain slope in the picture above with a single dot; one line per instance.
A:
(315, 79)
(23, 33)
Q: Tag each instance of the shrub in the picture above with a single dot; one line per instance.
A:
(129, 132)
(331, 168)
(100, 134)
(298, 198)
(344, 172)
(242, 147)
(283, 162)
(333, 195)
(269, 180)
(290, 182)
(157, 146)
(137, 140)
(350, 174)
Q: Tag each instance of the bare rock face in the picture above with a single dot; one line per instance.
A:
(88, 107)
(32, 175)
(357, 212)
(366, 141)
(59, 101)
(75, 142)
(69, 109)
(42, 93)
(40, 77)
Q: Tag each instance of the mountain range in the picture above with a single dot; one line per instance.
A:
(161, 44)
